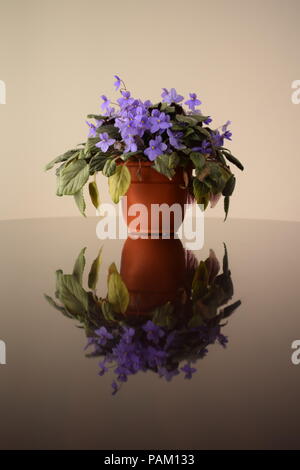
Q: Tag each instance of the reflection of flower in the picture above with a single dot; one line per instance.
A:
(168, 340)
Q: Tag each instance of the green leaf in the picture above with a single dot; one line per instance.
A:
(55, 304)
(72, 295)
(109, 168)
(229, 187)
(200, 280)
(80, 202)
(94, 272)
(119, 183)
(199, 117)
(226, 206)
(163, 316)
(186, 119)
(97, 162)
(166, 163)
(107, 311)
(94, 194)
(200, 190)
(111, 130)
(118, 294)
(98, 117)
(198, 159)
(73, 177)
(232, 159)
(79, 266)
(61, 158)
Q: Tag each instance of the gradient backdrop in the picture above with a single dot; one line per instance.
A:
(58, 56)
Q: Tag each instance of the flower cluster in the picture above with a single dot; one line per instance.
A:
(147, 128)
(129, 350)
(173, 134)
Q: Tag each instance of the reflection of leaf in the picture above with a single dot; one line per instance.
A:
(56, 305)
(213, 266)
(200, 281)
(118, 294)
(107, 311)
(72, 295)
(163, 316)
(94, 272)
(79, 266)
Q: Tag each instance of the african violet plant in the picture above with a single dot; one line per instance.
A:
(169, 339)
(166, 133)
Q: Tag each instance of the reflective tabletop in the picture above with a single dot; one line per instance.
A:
(143, 344)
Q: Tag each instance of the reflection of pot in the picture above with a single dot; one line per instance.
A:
(149, 187)
(153, 271)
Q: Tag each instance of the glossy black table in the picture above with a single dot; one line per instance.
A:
(243, 396)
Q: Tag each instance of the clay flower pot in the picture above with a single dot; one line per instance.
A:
(149, 187)
(153, 271)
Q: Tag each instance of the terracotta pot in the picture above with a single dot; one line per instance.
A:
(153, 271)
(148, 187)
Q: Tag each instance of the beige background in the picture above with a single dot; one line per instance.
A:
(58, 56)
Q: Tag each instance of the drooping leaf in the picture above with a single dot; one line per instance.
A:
(201, 190)
(79, 266)
(73, 177)
(198, 159)
(226, 206)
(80, 202)
(233, 159)
(118, 294)
(109, 168)
(166, 164)
(94, 271)
(119, 183)
(229, 187)
(61, 158)
(97, 162)
(94, 194)
(107, 311)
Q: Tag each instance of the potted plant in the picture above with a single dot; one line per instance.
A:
(130, 332)
(154, 153)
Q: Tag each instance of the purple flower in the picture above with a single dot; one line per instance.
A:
(106, 103)
(130, 144)
(117, 82)
(167, 374)
(217, 139)
(126, 99)
(103, 335)
(189, 371)
(92, 131)
(193, 101)
(103, 368)
(154, 332)
(208, 120)
(223, 340)
(174, 139)
(171, 96)
(115, 387)
(128, 334)
(224, 127)
(203, 148)
(105, 142)
(156, 148)
(159, 121)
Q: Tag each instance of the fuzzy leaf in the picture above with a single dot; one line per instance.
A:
(73, 177)
(118, 294)
(119, 183)
(80, 202)
(79, 266)
(94, 272)
(109, 168)
(94, 194)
